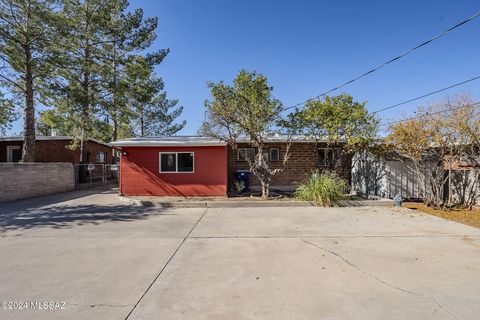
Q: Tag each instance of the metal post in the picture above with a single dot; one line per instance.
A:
(104, 175)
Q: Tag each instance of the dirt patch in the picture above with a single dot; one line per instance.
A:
(468, 217)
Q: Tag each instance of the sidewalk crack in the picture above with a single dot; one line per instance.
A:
(351, 264)
(167, 263)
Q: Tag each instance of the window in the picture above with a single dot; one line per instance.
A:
(325, 157)
(101, 157)
(185, 162)
(14, 154)
(176, 162)
(246, 153)
(274, 154)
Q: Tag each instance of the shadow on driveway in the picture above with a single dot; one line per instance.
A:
(56, 212)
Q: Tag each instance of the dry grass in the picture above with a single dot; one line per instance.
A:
(468, 217)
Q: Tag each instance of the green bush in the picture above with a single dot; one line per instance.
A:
(323, 188)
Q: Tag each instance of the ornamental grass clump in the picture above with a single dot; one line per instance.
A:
(324, 189)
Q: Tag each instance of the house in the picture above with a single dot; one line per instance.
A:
(202, 166)
(173, 166)
(386, 176)
(55, 149)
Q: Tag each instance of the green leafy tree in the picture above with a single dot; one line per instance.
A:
(25, 42)
(338, 120)
(245, 109)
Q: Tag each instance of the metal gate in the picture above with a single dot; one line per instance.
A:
(96, 175)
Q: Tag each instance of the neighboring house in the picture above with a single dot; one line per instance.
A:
(305, 156)
(387, 177)
(384, 177)
(195, 166)
(55, 149)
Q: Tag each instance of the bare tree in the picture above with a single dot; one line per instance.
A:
(436, 141)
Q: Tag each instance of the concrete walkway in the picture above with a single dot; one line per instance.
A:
(111, 260)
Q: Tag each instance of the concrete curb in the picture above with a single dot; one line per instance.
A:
(225, 204)
(247, 204)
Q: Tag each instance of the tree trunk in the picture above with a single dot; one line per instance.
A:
(115, 130)
(142, 123)
(28, 151)
(85, 114)
(85, 83)
(265, 189)
(114, 96)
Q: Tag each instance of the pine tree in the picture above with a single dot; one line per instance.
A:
(77, 91)
(8, 114)
(25, 42)
(127, 34)
(153, 114)
(102, 69)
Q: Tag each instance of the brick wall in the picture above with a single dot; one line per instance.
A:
(303, 160)
(27, 180)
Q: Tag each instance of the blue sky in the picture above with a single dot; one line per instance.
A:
(306, 47)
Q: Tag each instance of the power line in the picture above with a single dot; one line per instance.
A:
(476, 15)
(431, 113)
(426, 95)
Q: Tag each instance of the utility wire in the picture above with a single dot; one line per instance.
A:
(431, 113)
(476, 15)
(426, 95)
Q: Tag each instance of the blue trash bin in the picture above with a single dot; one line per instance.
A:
(243, 175)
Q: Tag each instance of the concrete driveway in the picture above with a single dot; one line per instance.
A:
(107, 259)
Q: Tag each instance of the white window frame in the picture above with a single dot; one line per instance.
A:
(9, 152)
(245, 160)
(270, 154)
(176, 161)
(325, 150)
(104, 154)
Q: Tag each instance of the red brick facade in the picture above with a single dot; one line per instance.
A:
(302, 162)
(57, 150)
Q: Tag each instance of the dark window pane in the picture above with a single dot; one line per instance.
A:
(329, 157)
(326, 157)
(246, 153)
(168, 162)
(16, 155)
(321, 157)
(274, 154)
(185, 162)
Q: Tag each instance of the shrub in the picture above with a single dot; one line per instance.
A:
(323, 188)
(239, 186)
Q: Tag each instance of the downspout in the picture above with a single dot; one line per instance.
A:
(120, 186)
